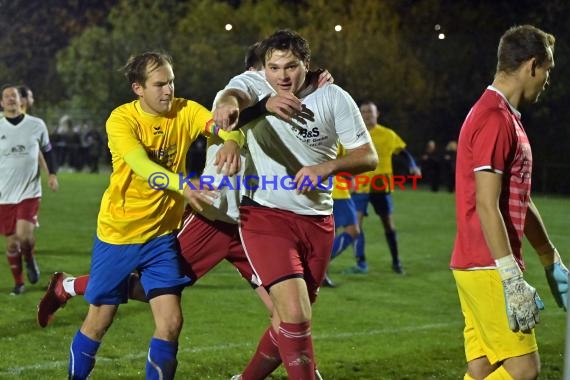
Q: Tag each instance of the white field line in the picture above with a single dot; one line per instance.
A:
(224, 347)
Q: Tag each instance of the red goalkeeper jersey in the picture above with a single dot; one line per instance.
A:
(492, 138)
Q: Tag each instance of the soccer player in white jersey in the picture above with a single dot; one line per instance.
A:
(495, 210)
(22, 137)
(286, 223)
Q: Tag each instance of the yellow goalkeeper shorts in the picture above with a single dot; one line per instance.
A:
(487, 331)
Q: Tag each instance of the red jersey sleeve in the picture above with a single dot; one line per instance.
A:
(493, 141)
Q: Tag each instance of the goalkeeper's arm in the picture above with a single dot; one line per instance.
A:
(521, 300)
(556, 271)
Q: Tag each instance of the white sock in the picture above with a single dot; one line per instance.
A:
(68, 284)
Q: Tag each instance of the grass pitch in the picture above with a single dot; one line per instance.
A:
(375, 326)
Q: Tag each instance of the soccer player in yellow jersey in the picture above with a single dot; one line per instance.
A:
(378, 191)
(143, 204)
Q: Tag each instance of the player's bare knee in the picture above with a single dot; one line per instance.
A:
(526, 367)
(353, 230)
(96, 329)
(295, 313)
(12, 247)
(528, 371)
(169, 327)
(480, 368)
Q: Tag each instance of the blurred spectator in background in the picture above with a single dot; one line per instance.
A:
(27, 101)
(430, 164)
(74, 148)
(449, 165)
(27, 97)
(91, 147)
(61, 139)
(23, 137)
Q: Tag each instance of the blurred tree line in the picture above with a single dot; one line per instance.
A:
(70, 53)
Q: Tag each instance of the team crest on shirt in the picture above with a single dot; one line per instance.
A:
(157, 131)
(164, 156)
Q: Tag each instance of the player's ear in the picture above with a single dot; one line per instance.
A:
(533, 65)
(137, 88)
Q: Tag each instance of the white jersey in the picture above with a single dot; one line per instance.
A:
(225, 208)
(278, 149)
(19, 150)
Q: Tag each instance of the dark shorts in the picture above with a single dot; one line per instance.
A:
(281, 245)
(361, 202)
(344, 212)
(10, 213)
(204, 243)
(383, 203)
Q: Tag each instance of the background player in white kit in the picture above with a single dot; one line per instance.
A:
(21, 139)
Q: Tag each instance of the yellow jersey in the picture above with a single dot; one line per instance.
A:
(387, 143)
(131, 211)
(341, 189)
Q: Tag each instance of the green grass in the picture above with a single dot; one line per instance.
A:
(377, 326)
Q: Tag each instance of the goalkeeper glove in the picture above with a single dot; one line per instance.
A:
(521, 300)
(557, 276)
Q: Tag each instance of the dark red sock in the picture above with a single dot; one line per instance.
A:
(80, 284)
(296, 349)
(15, 263)
(265, 360)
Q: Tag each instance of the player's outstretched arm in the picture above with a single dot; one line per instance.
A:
(555, 270)
(412, 166)
(227, 107)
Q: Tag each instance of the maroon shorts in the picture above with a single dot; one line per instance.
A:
(10, 213)
(281, 245)
(204, 243)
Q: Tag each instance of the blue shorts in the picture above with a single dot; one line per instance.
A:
(361, 202)
(344, 212)
(157, 262)
(383, 203)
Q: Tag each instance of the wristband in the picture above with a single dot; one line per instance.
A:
(508, 267)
